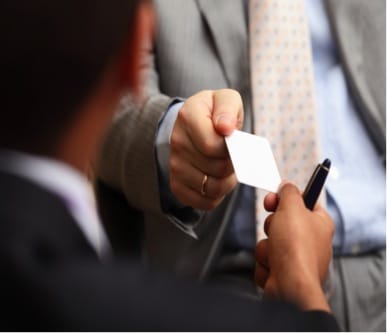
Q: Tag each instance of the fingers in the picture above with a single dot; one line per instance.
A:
(182, 148)
(186, 184)
(228, 111)
(261, 253)
(318, 209)
(261, 275)
(262, 266)
(271, 202)
(184, 175)
(325, 220)
(266, 226)
(194, 199)
(187, 169)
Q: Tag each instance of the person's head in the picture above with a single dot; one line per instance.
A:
(59, 58)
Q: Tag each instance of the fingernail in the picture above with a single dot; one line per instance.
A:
(224, 120)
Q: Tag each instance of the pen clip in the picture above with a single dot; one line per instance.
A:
(311, 181)
(316, 184)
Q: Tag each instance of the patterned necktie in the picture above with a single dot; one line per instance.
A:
(282, 88)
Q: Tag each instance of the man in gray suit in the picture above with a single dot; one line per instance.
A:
(203, 45)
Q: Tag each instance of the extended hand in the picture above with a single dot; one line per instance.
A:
(201, 173)
(293, 261)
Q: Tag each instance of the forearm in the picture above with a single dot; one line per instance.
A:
(127, 160)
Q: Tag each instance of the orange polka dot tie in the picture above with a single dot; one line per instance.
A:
(283, 91)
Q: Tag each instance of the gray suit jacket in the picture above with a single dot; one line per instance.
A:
(203, 44)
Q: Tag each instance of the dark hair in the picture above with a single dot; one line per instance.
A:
(52, 54)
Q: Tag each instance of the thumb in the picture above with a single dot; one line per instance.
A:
(227, 111)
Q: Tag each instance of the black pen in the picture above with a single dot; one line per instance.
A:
(316, 183)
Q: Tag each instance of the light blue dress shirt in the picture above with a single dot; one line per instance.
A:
(356, 192)
(357, 182)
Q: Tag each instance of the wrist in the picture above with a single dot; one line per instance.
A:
(309, 296)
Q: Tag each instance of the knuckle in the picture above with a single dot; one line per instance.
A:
(237, 94)
(208, 147)
(223, 169)
(176, 141)
(183, 115)
(232, 182)
(174, 166)
(200, 98)
(231, 92)
(204, 92)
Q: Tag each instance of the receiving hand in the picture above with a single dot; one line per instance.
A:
(293, 261)
(201, 173)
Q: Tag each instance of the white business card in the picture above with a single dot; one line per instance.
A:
(253, 161)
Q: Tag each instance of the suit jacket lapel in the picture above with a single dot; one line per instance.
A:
(361, 45)
(227, 25)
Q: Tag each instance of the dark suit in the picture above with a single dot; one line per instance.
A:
(52, 279)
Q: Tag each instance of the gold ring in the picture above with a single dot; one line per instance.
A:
(204, 183)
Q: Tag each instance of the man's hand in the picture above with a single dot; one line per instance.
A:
(201, 173)
(293, 261)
